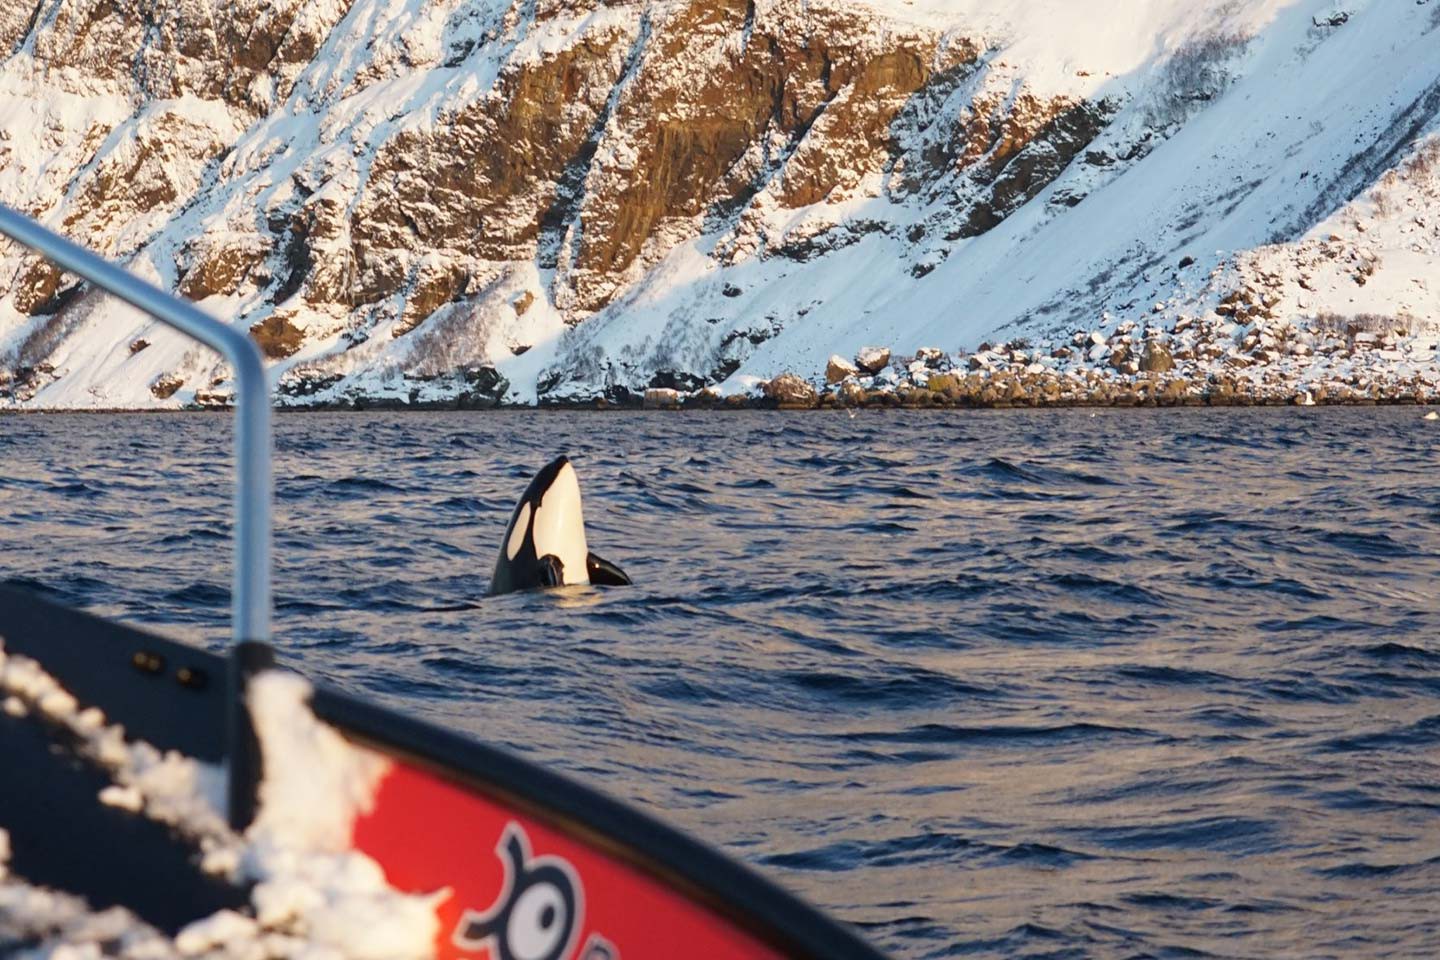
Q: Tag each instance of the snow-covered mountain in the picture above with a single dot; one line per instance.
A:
(564, 199)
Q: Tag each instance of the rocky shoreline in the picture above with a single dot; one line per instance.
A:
(914, 399)
(1240, 356)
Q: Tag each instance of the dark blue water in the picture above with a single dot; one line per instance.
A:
(1007, 684)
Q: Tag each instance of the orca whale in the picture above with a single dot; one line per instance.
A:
(544, 545)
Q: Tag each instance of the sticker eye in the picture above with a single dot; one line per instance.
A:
(539, 923)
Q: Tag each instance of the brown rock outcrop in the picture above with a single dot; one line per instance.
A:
(1156, 359)
(873, 359)
(806, 79)
(486, 178)
(790, 390)
(165, 386)
(35, 288)
(277, 337)
(838, 369)
(247, 53)
(219, 266)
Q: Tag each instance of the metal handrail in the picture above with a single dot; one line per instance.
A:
(250, 600)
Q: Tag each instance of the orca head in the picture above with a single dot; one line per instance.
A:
(544, 545)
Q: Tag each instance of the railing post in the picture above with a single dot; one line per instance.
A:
(250, 592)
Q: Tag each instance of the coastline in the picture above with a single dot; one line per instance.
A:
(916, 400)
(1239, 357)
(1208, 363)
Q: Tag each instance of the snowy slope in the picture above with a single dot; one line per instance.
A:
(563, 200)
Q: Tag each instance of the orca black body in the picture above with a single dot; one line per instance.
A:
(544, 544)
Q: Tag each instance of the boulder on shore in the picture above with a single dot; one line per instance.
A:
(166, 385)
(947, 384)
(790, 390)
(661, 398)
(873, 359)
(1156, 359)
(839, 369)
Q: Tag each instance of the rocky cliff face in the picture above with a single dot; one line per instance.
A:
(561, 199)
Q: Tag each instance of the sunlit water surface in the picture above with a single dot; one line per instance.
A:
(1009, 684)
